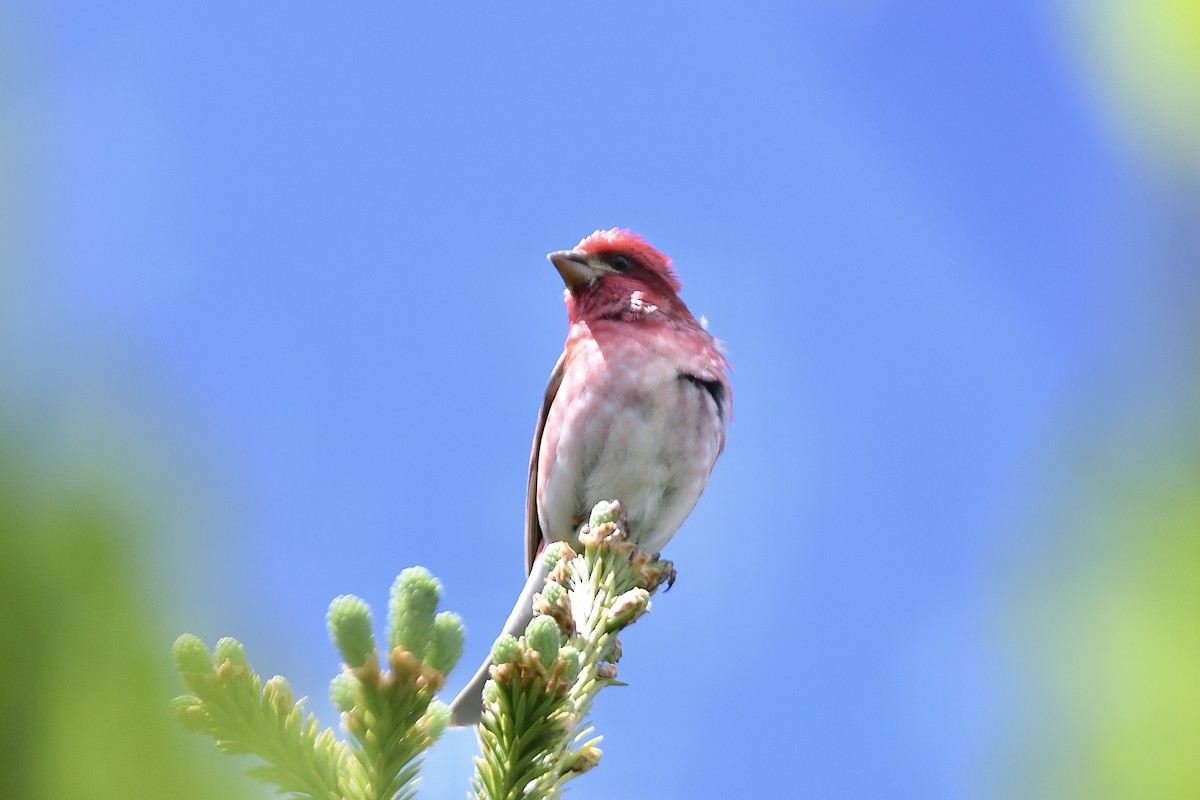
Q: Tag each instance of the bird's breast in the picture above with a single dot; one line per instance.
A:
(627, 423)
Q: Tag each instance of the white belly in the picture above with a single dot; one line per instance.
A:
(649, 442)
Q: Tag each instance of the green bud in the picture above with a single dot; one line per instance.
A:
(437, 719)
(230, 649)
(446, 644)
(191, 656)
(604, 512)
(506, 649)
(189, 710)
(279, 694)
(491, 692)
(553, 593)
(343, 691)
(349, 623)
(571, 663)
(554, 553)
(543, 635)
(586, 758)
(410, 613)
(628, 607)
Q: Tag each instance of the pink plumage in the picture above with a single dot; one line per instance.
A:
(620, 240)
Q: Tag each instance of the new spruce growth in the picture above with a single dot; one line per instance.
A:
(534, 736)
(387, 701)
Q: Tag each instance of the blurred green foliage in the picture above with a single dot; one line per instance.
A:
(84, 671)
(1145, 59)
(1110, 644)
(1106, 638)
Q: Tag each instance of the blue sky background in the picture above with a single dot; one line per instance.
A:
(285, 263)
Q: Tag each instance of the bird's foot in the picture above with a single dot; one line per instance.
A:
(669, 573)
(655, 571)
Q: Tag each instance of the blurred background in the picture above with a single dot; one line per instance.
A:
(275, 322)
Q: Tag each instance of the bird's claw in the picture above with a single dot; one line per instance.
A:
(667, 574)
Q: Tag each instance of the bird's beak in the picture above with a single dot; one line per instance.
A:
(573, 267)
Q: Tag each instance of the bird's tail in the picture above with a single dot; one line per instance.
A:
(467, 707)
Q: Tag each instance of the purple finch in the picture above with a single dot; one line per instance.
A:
(635, 411)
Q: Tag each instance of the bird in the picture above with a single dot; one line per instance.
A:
(636, 410)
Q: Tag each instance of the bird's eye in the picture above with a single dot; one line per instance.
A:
(620, 263)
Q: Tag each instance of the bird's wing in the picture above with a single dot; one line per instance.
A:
(533, 528)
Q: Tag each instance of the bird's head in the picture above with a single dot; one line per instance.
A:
(610, 270)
